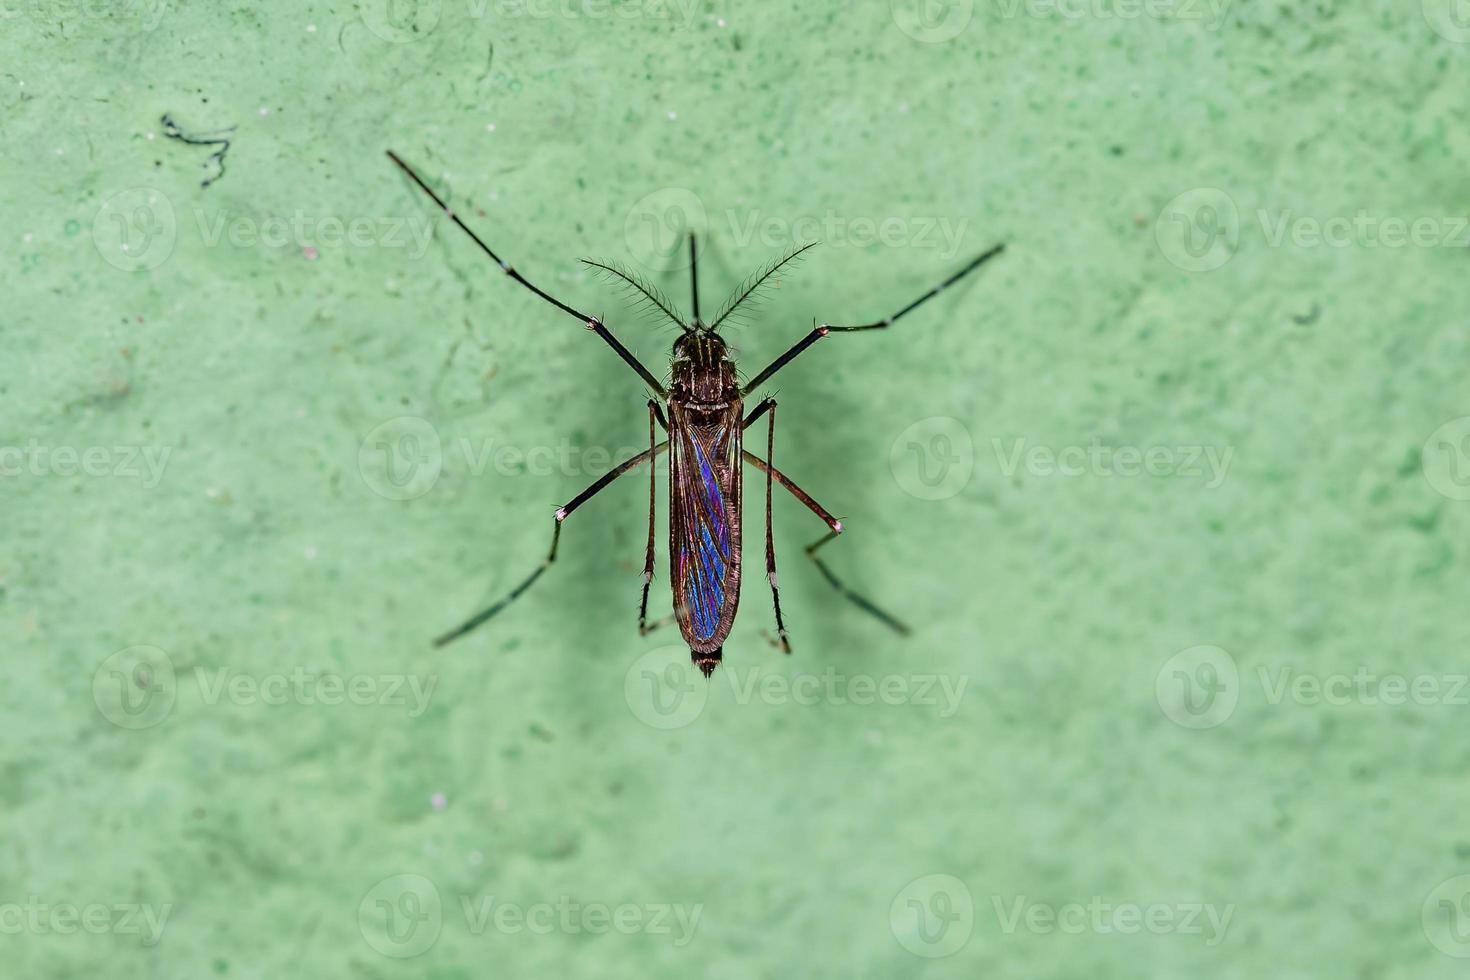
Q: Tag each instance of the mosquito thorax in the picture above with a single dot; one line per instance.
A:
(703, 374)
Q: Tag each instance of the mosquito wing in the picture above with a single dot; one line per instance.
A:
(704, 525)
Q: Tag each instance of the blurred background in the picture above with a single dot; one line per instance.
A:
(1174, 493)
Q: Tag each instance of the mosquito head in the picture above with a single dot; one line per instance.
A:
(703, 373)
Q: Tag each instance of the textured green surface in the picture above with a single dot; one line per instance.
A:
(254, 360)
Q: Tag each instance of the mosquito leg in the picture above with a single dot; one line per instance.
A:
(562, 514)
(836, 528)
(590, 322)
(822, 330)
(770, 405)
(643, 628)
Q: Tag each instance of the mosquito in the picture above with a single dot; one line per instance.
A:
(704, 437)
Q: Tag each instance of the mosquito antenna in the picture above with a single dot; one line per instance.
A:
(755, 282)
(651, 293)
(694, 278)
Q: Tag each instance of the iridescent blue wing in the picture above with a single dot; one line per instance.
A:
(704, 546)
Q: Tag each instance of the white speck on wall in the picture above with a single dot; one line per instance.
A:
(265, 110)
(673, 114)
(489, 127)
(311, 28)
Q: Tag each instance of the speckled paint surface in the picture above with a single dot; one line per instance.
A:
(1175, 494)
